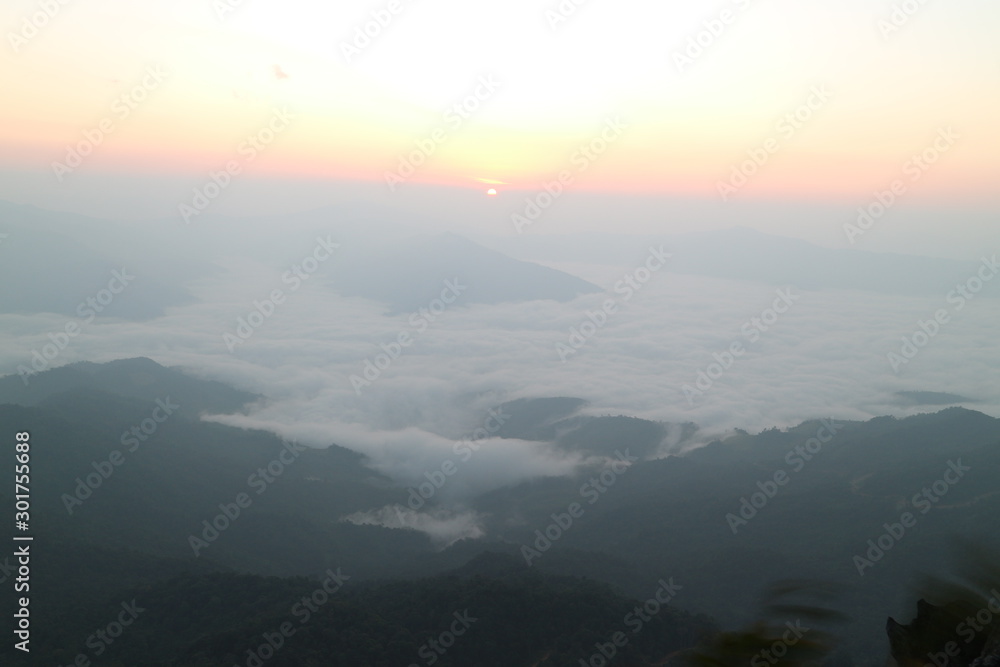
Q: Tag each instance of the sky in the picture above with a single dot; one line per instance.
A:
(766, 112)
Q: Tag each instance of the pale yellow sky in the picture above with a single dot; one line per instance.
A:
(182, 85)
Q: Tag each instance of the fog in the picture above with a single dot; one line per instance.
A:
(917, 226)
(674, 347)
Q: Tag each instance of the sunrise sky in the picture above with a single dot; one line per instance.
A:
(536, 84)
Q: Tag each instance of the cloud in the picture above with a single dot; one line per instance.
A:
(412, 455)
(826, 356)
(442, 526)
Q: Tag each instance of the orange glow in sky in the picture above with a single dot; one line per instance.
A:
(448, 92)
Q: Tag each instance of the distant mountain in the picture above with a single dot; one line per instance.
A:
(58, 261)
(410, 274)
(138, 378)
(746, 254)
(535, 418)
(930, 398)
(555, 420)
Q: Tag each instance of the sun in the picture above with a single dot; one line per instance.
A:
(492, 192)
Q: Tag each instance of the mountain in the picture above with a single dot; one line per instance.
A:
(745, 254)
(930, 398)
(717, 519)
(967, 640)
(130, 474)
(138, 378)
(60, 261)
(535, 418)
(167, 510)
(490, 613)
(556, 420)
(432, 263)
